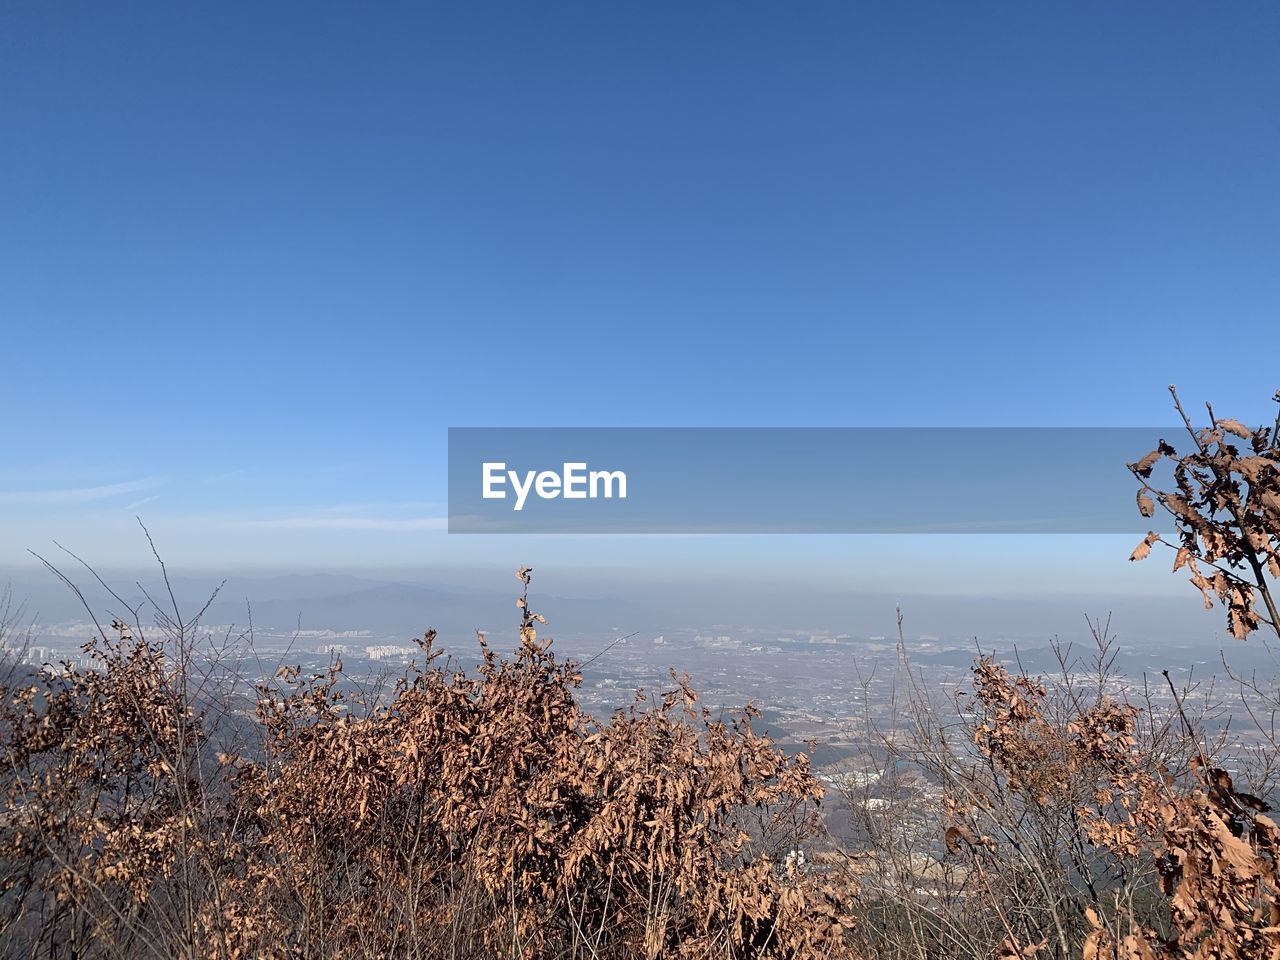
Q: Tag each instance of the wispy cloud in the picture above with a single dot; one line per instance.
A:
(223, 477)
(137, 503)
(376, 506)
(75, 495)
(349, 523)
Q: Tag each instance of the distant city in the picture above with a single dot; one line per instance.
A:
(833, 694)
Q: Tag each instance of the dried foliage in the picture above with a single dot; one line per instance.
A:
(1225, 503)
(465, 814)
(1211, 848)
(1070, 824)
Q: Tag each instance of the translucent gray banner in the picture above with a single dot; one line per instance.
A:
(796, 480)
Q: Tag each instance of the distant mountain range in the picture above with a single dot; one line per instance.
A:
(326, 601)
(395, 607)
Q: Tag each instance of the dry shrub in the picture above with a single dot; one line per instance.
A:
(465, 814)
(107, 824)
(1019, 775)
(1212, 849)
(1072, 824)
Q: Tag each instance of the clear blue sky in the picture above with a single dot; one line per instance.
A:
(256, 258)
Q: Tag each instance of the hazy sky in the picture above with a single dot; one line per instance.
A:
(254, 261)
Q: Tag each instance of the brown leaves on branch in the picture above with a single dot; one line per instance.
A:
(1143, 550)
(1224, 500)
(1211, 846)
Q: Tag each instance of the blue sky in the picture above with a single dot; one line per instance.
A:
(255, 261)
